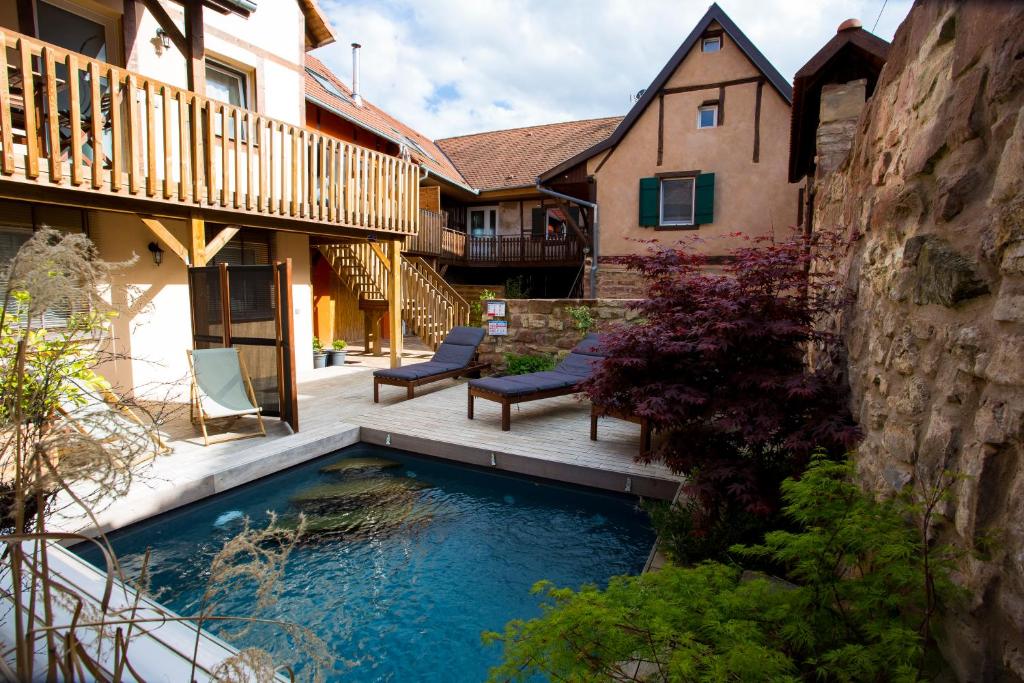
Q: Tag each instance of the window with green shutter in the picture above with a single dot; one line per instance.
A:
(650, 202)
(704, 199)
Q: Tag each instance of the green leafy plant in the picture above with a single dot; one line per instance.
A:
(476, 308)
(860, 586)
(339, 344)
(686, 536)
(582, 318)
(516, 287)
(317, 346)
(522, 364)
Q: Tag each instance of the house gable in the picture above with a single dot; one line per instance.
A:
(677, 73)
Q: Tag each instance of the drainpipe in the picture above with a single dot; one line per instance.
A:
(594, 233)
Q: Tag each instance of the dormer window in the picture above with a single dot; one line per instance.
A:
(713, 44)
(707, 116)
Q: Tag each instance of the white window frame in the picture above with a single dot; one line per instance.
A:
(713, 108)
(661, 200)
(485, 209)
(100, 15)
(715, 40)
(243, 76)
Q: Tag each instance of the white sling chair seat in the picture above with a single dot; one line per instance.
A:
(221, 386)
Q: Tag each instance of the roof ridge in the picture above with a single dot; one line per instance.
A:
(539, 125)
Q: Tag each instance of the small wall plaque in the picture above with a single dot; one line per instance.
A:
(494, 309)
(497, 328)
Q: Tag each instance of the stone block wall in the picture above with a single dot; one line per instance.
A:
(614, 281)
(543, 326)
(931, 201)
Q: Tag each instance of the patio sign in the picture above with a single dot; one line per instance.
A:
(495, 309)
(497, 328)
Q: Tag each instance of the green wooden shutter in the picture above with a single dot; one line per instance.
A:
(539, 227)
(704, 199)
(650, 191)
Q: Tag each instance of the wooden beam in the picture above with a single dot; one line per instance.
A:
(195, 52)
(712, 86)
(661, 127)
(221, 238)
(197, 233)
(395, 302)
(379, 251)
(757, 122)
(167, 24)
(564, 206)
(165, 236)
(27, 17)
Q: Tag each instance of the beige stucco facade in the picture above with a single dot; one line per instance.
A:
(754, 198)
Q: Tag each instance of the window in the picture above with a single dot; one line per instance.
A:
(91, 33)
(676, 201)
(711, 44)
(226, 84)
(707, 116)
(327, 84)
(483, 221)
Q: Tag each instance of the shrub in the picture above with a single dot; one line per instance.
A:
(516, 287)
(855, 604)
(517, 364)
(582, 318)
(318, 347)
(339, 344)
(718, 364)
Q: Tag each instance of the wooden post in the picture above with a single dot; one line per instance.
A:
(395, 301)
(195, 43)
(197, 242)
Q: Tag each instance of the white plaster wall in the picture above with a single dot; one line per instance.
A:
(153, 330)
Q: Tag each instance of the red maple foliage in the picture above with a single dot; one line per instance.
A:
(718, 363)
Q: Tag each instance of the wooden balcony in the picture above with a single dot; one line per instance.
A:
(77, 131)
(428, 240)
(459, 249)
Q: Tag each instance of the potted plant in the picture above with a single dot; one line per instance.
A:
(337, 352)
(319, 355)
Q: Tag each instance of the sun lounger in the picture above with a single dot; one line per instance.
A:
(455, 356)
(563, 380)
(221, 388)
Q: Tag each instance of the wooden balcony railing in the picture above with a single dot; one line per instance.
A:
(457, 247)
(428, 239)
(453, 244)
(72, 122)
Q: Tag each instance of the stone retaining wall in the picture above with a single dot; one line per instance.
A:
(543, 326)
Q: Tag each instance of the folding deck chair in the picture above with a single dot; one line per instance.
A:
(221, 388)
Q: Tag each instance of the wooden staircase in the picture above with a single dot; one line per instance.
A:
(430, 306)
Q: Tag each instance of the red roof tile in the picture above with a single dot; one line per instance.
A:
(421, 148)
(505, 159)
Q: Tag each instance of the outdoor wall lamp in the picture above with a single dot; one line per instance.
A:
(164, 37)
(158, 253)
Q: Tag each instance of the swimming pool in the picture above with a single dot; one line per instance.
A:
(417, 557)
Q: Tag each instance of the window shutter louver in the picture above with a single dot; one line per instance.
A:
(704, 199)
(650, 189)
(539, 227)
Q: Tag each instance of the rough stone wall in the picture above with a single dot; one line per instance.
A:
(543, 326)
(932, 199)
(614, 281)
(841, 105)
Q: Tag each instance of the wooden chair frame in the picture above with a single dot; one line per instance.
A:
(410, 384)
(196, 406)
(508, 401)
(645, 424)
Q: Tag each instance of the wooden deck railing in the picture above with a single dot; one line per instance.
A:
(73, 122)
(428, 239)
(457, 247)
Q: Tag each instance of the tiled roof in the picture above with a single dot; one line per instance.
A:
(421, 148)
(504, 159)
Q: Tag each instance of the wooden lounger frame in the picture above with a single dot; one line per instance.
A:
(645, 424)
(411, 384)
(508, 401)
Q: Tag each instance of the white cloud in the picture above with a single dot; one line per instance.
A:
(451, 67)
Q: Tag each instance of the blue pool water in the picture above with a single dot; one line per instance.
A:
(403, 598)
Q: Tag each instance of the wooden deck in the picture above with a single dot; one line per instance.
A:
(550, 439)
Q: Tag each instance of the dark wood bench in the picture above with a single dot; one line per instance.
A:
(507, 401)
(410, 384)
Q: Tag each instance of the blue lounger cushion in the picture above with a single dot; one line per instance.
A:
(519, 385)
(417, 370)
(455, 352)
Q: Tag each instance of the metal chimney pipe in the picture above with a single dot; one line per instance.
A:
(356, 96)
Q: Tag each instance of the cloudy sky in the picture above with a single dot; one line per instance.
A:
(451, 67)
